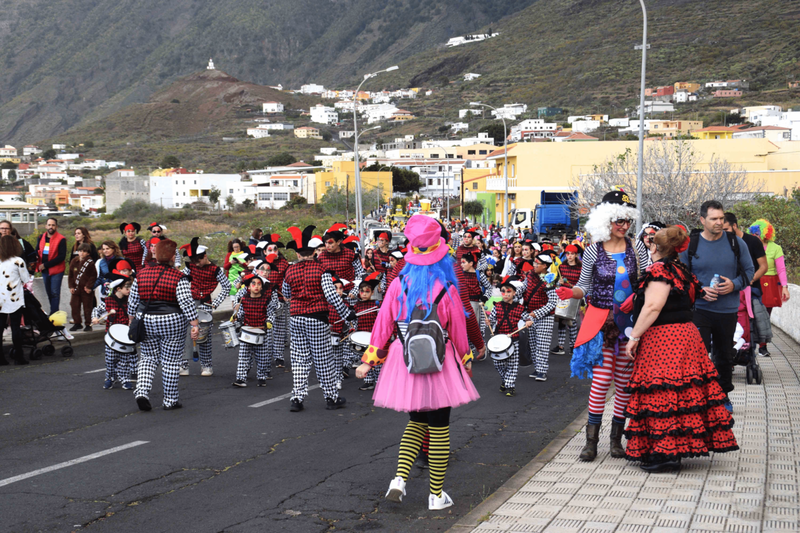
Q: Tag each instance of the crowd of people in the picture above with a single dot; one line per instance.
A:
(411, 319)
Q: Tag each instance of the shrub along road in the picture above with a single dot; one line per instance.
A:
(222, 464)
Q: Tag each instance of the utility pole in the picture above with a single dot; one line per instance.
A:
(347, 198)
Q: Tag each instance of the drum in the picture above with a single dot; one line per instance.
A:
(228, 330)
(500, 347)
(359, 340)
(253, 336)
(567, 310)
(205, 321)
(117, 339)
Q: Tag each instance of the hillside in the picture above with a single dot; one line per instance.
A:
(67, 62)
(579, 53)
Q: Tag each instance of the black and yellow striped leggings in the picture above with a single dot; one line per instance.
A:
(438, 424)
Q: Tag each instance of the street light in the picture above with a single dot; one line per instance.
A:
(359, 212)
(640, 169)
(445, 179)
(505, 161)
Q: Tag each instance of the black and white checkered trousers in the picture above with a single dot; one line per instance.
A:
(118, 365)
(509, 368)
(164, 343)
(279, 330)
(260, 353)
(540, 338)
(572, 329)
(311, 343)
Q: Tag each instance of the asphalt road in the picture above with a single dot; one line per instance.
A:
(220, 464)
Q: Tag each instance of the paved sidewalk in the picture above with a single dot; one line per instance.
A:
(751, 490)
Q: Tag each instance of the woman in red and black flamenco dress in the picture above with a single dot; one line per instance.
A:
(676, 408)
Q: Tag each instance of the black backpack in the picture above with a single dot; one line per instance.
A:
(424, 339)
(694, 242)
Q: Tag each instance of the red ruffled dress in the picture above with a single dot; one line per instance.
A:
(677, 406)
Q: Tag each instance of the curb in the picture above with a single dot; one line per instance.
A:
(508, 489)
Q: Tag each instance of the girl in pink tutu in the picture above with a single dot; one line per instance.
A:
(427, 278)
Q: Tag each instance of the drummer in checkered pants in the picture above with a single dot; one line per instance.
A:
(203, 279)
(262, 268)
(366, 309)
(256, 309)
(505, 318)
(540, 299)
(307, 286)
(116, 303)
(276, 274)
(339, 329)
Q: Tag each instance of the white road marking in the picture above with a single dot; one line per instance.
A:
(281, 397)
(8, 481)
(95, 371)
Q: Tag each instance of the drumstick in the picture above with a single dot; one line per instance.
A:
(106, 315)
(488, 322)
(520, 329)
(372, 310)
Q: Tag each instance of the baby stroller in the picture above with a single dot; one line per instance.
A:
(746, 343)
(38, 329)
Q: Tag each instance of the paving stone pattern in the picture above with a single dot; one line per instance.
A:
(753, 490)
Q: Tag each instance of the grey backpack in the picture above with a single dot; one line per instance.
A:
(424, 339)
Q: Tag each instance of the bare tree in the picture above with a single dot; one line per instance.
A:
(674, 188)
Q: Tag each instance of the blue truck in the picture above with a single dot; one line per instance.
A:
(553, 216)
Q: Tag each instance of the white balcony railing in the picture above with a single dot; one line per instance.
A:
(499, 184)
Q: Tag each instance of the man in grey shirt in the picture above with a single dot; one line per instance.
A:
(715, 313)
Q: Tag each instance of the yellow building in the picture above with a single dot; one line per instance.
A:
(537, 167)
(674, 128)
(715, 132)
(474, 152)
(687, 86)
(36, 200)
(9, 159)
(343, 175)
(307, 132)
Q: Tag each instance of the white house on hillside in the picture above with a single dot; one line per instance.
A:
(469, 76)
(312, 88)
(272, 107)
(321, 114)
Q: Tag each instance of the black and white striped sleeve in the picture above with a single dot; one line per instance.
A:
(585, 281)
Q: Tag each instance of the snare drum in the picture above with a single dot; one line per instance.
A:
(252, 336)
(500, 347)
(205, 321)
(228, 330)
(359, 340)
(117, 339)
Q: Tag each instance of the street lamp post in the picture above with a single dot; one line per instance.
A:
(444, 179)
(505, 160)
(359, 213)
(640, 169)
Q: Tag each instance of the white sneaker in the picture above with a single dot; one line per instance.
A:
(184, 371)
(437, 503)
(338, 385)
(207, 371)
(397, 489)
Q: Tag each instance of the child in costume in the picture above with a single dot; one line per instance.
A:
(117, 364)
(255, 310)
(504, 318)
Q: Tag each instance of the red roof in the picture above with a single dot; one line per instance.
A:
(500, 151)
(576, 135)
(299, 164)
(721, 128)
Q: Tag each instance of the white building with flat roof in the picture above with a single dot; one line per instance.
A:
(321, 114)
(272, 107)
(177, 190)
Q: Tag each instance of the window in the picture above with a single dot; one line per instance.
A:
(281, 196)
(513, 170)
(295, 183)
(195, 182)
(184, 193)
(184, 182)
(482, 152)
(434, 156)
(439, 181)
(265, 196)
(470, 152)
(475, 185)
(230, 191)
(327, 183)
(176, 182)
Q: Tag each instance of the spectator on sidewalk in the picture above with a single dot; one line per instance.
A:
(82, 236)
(711, 252)
(110, 255)
(673, 384)
(52, 253)
(12, 299)
(82, 275)
(28, 252)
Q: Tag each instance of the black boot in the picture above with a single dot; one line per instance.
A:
(658, 467)
(617, 450)
(589, 452)
(18, 356)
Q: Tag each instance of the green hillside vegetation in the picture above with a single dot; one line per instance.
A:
(579, 54)
(66, 62)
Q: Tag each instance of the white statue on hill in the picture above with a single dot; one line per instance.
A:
(210, 65)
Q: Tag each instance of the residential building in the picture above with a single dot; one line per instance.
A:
(402, 115)
(666, 128)
(652, 107)
(466, 39)
(772, 133)
(8, 151)
(259, 132)
(727, 93)
(681, 96)
(688, 86)
(715, 132)
(754, 114)
(31, 150)
(456, 127)
(307, 132)
(59, 147)
(667, 90)
(272, 107)
(342, 175)
(787, 119)
(276, 126)
(312, 88)
(584, 126)
(729, 84)
(532, 128)
(481, 138)
(178, 190)
(548, 111)
(510, 111)
(123, 185)
(794, 85)
(469, 76)
(573, 136)
(347, 134)
(619, 122)
(324, 115)
(462, 113)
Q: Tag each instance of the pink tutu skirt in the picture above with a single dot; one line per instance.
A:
(398, 390)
